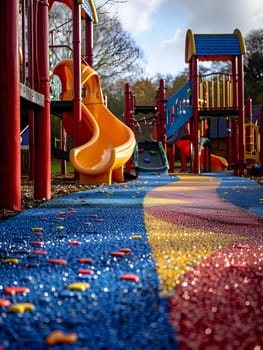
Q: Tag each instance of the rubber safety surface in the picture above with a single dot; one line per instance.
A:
(161, 262)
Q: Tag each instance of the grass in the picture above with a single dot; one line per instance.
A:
(56, 166)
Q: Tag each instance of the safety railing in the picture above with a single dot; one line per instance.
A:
(215, 91)
(178, 109)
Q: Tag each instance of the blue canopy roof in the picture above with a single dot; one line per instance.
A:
(207, 45)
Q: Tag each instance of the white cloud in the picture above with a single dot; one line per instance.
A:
(168, 44)
(172, 50)
(137, 16)
(166, 23)
(223, 16)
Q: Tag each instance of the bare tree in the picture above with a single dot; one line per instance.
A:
(60, 24)
(115, 53)
(106, 6)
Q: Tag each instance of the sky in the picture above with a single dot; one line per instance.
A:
(159, 26)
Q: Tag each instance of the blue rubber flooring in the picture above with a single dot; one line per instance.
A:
(112, 313)
(241, 191)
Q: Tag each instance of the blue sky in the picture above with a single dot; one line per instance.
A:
(159, 26)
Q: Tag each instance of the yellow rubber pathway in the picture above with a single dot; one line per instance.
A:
(209, 256)
(158, 263)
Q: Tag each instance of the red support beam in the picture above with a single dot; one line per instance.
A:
(171, 157)
(129, 115)
(234, 79)
(235, 147)
(42, 179)
(23, 50)
(162, 113)
(31, 78)
(249, 110)
(229, 141)
(194, 130)
(261, 142)
(128, 106)
(241, 115)
(89, 41)
(77, 71)
(63, 147)
(10, 164)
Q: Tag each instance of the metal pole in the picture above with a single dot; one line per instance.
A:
(162, 112)
(42, 184)
(10, 165)
(23, 44)
(128, 115)
(63, 147)
(31, 80)
(234, 79)
(89, 41)
(77, 72)
(241, 115)
(229, 133)
(194, 131)
(261, 142)
(236, 149)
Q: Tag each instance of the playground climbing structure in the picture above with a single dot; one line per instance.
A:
(216, 94)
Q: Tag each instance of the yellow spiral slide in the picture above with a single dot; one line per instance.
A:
(106, 142)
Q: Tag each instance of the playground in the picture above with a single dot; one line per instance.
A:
(130, 253)
(182, 254)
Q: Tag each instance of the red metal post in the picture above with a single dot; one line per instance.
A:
(162, 113)
(249, 130)
(23, 78)
(194, 137)
(206, 158)
(63, 147)
(236, 149)
(158, 122)
(128, 106)
(10, 164)
(77, 71)
(42, 180)
(203, 133)
(89, 41)
(229, 142)
(261, 142)
(234, 79)
(171, 157)
(249, 112)
(31, 77)
(128, 115)
(241, 115)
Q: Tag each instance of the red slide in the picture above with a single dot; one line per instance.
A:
(217, 163)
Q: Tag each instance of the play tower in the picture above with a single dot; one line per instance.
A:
(214, 95)
(24, 43)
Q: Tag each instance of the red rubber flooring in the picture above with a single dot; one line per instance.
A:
(193, 263)
(209, 256)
